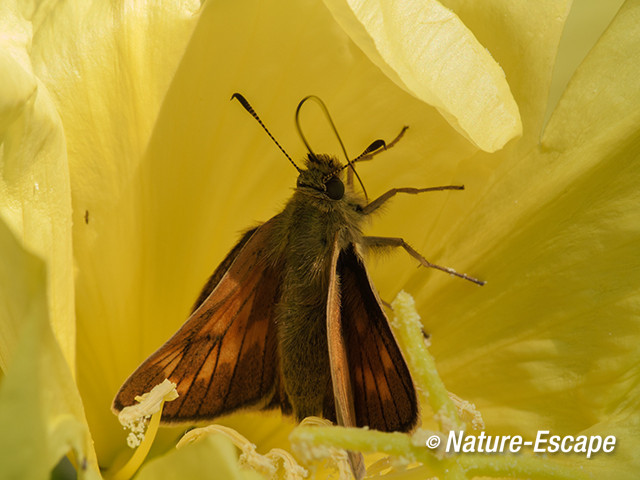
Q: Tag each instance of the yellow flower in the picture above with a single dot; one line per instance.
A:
(126, 174)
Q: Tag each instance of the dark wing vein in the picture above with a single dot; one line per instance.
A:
(394, 361)
(244, 336)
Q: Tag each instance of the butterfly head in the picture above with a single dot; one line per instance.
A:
(322, 175)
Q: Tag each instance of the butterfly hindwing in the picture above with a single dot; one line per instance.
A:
(224, 357)
(383, 394)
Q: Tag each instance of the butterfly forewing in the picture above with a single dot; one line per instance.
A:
(225, 355)
(384, 396)
(219, 272)
(343, 410)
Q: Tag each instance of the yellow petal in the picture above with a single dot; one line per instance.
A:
(551, 341)
(35, 197)
(41, 414)
(212, 457)
(523, 37)
(108, 65)
(428, 51)
(584, 26)
(603, 96)
(622, 463)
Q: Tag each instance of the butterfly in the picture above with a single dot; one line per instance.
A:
(290, 319)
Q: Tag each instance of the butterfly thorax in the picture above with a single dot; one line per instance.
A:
(312, 220)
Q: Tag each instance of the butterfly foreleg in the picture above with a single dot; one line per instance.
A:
(374, 149)
(378, 202)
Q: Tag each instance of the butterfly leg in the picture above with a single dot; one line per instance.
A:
(379, 146)
(378, 202)
(390, 242)
(374, 149)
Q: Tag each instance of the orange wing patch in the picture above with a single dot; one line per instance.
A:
(224, 357)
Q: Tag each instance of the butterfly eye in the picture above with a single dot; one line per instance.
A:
(334, 188)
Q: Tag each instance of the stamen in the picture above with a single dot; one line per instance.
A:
(338, 456)
(135, 418)
(268, 464)
(468, 412)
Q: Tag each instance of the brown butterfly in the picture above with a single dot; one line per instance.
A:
(290, 318)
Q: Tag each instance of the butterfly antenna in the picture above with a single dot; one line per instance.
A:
(243, 101)
(319, 101)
